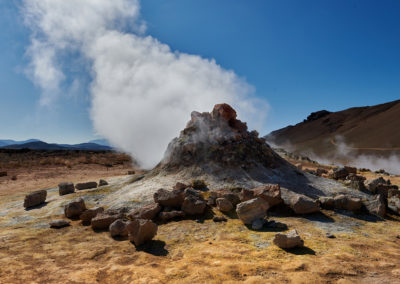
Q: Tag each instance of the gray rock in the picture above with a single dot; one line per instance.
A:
(169, 198)
(349, 203)
(302, 204)
(66, 188)
(75, 208)
(35, 198)
(252, 209)
(289, 240)
(86, 185)
(59, 224)
(141, 231)
(118, 228)
(149, 212)
(224, 205)
(89, 214)
(376, 206)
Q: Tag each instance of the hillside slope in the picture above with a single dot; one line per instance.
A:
(362, 130)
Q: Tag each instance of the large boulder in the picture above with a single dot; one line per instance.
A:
(289, 240)
(148, 211)
(349, 203)
(193, 204)
(168, 215)
(372, 185)
(302, 204)
(269, 192)
(169, 198)
(376, 206)
(118, 228)
(35, 198)
(89, 214)
(252, 209)
(86, 185)
(141, 230)
(74, 208)
(224, 205)
(102, 221)
(66, 188)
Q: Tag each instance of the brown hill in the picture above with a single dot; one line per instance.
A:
(372, 130)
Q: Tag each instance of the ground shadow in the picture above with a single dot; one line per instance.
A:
(300, 251)
(120, 238)
(363, 216)
(37, 206)
(270, 226)
(154, 247)
(319, 217)
(231, 214)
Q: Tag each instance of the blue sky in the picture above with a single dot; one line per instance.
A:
(301, 56)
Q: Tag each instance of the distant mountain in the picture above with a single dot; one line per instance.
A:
(40, 145)
(362, 130)
(103, 142)
(6, 142)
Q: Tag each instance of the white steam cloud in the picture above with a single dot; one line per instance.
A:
(142, 91)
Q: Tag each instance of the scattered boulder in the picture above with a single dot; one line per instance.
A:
(193, 204)
(35, 198)
(66, 188)
(270, 193)
(252, 209)
(376, 206)
(302, 204)
(349, 203)
(57, 224)
(169, 198)
(148, 211)
(327, 202)
(246, 194)
(103, 182)
(257, 224)
(219, 219)
(224, 205)
(102, 221)
(89, 214)
(141, 230)
(86, 185)
(75, 208)
(394, 203)
(180, 186)
(118, 228)
(289, 240)
(166, 216)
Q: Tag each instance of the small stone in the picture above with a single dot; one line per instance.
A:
(66, 188)
(141, 231)
(89, 214)
(118, 228)
(35, 198)
(56, 224)
(103, 182)
(75, 208)
(103, 221)
(86, 185)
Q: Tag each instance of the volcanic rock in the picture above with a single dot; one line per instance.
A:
(304, 205)
(86, 185)
(75, 208)
(89, 214)
(339, 173)
(141, 230)
(193, 205)
(169, 198)
(269, 192)
(118, 228)
(103, 182)
(57, 224)
(149, 212)
(224, 205)
(246, 194)
(372, 185)
(377, 206)
(66, 188)
(229, 195)
(102, 221)
(289, 240)
(327, 202)
(252, 209)
(345, 202)
(180, 186)
(166, 216)
(35, 198)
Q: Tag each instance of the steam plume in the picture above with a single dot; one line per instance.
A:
(142, 91)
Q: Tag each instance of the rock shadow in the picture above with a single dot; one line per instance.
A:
(154, 247)
(319, 217)
(300, 251)
(37, 206)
